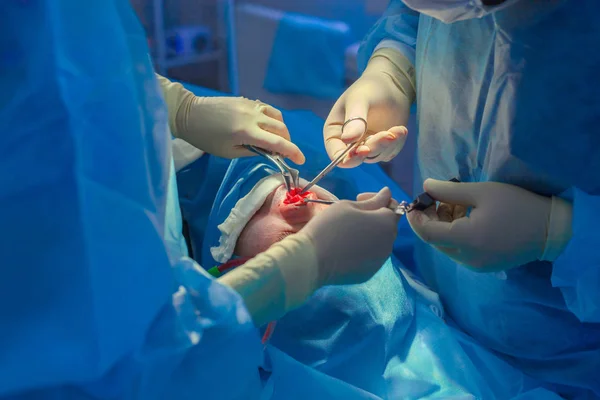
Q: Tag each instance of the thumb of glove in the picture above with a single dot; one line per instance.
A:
(451, 192)
(380, 200)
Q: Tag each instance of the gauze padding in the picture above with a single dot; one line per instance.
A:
(240, 215)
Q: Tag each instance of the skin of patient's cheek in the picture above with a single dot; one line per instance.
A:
(257, 236)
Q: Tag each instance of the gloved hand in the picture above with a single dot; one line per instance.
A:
(382, 96)
(221, 125)
(344, 244)
(353, 239)
(507, 227)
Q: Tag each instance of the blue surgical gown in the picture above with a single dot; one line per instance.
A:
(91, 304)
(514, 97)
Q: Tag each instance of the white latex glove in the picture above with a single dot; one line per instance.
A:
(353, 239)
(221, 125)
(346, 243)
(507, 227)
(382, 96)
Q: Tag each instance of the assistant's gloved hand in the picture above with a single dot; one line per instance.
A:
(221, 125)
(507, 227)
(344, 244)
(353, 239)
(382, 96)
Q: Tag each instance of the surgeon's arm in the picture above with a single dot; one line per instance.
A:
(576, 271)
(261, 282)
(391, 43)
(175, 95)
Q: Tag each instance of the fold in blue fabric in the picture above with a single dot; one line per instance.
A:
(308, 57)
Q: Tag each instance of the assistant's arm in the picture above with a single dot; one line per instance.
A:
(277, 280)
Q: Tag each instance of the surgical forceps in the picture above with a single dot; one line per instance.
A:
(400, 209)
(421, 202)
(341, 157)
(291, 176)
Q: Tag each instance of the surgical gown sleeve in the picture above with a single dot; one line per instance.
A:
(175, 96)
(577, 270)
(396, 29)
(277, 280)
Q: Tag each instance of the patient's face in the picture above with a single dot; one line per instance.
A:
(276, 219)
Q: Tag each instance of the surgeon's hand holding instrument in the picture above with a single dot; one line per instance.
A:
(223, 125)
(343, 256)
(341, 156)
(507, 226)
(382, 96)
(291, 176)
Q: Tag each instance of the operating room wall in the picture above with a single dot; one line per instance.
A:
(259, 26)
(358, 14)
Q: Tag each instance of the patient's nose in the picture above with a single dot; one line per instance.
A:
(298, 212)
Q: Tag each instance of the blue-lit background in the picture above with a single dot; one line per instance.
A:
(290, 53)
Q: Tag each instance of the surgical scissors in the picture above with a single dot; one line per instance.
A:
(340, 157)
(291, 176)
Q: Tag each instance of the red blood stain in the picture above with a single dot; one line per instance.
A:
(295, 197)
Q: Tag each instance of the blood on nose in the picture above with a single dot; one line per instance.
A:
(295, 197)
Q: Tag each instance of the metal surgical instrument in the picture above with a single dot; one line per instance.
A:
(291, 176)
(400, 209)
(420, 203)
(340, 157)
